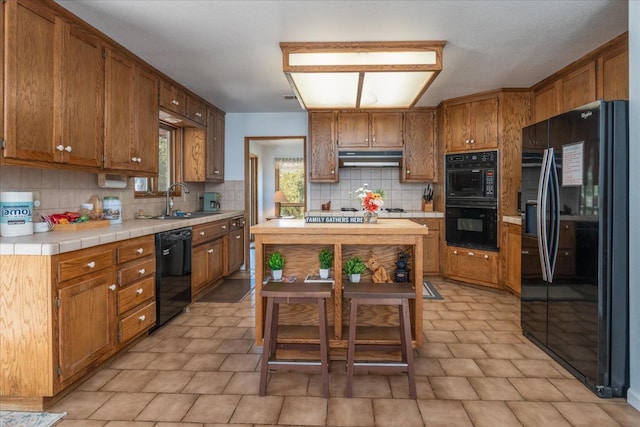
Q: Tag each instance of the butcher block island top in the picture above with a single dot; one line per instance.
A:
(300, 242)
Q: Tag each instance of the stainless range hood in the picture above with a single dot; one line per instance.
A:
(371, 159)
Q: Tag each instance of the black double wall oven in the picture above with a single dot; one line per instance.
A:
(471, 201)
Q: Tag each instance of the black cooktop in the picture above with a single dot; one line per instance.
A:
(394, 209)
(349, 209)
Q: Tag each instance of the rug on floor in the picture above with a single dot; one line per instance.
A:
(429, 291)
(230, 290)
(29, 419)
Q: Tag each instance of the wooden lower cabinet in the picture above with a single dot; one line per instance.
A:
(471, 265)
(511, 253)
(62, 315)
(431, 246)
(235, 245)
(208, 264)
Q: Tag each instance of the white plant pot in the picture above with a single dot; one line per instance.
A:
(324, 273)
(354, 278)
(276, 274)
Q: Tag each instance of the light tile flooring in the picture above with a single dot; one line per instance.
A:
(474, 369)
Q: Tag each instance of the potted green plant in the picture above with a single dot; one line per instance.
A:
(325, 256)
(353, 268)
(276, 262)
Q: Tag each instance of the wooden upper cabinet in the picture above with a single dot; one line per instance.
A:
(546, 102)
(419, 146)
(196, 110)
(579, 87)
(82, 98)
(386, 130)
(322, 147)
(173, 98)
(353, 130)
(131, 116)
(613, 69)
(215, 146)
(370, 130)
(30, 52)
(146, 122)
(120, 77)
(472, 125)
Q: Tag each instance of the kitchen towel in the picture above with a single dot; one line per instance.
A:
(29, 419)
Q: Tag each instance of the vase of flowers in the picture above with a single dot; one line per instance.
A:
(371, 201)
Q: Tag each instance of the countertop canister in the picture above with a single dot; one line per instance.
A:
(16, 213)
(112, 208)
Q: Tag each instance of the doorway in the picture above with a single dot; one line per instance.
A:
(261, 156)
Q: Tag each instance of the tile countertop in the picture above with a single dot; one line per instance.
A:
(57, 242)
(383, 214)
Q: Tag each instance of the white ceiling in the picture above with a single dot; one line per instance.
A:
(228, 51)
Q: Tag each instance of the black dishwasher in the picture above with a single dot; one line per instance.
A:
(173, 273)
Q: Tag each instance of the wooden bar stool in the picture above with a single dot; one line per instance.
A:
(295, 293)
(397, 294)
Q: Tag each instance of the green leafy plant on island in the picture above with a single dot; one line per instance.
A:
(354, 265)
(276, 261)
(325, 256)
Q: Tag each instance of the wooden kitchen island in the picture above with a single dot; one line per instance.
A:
(300, 242)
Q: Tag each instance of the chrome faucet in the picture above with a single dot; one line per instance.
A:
(169, 200)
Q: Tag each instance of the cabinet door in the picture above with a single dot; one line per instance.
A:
(431, 246)
(386, 130)
(196, 110)
(353, 130)
(30, 50)
(120, 77)
(579, 87)
(484, 124)
(172, 98)
(146, 122)
(194, 154)
(546, 102)
(614, 66)
(456, 122)
(235, 251)
(87, 322)
(207, 264)
(472, 265)
(81, 98)
(512, 257)
(215, 146)
(322, 147)
(419, 146)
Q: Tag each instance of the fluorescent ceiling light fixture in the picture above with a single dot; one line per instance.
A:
(361, 74)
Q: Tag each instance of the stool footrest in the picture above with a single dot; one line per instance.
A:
(381, 364)
(294, 363)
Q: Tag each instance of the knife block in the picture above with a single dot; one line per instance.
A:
(427, 206)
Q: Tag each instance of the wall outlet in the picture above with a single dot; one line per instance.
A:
(36, 199)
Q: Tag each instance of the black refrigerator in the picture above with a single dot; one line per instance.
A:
(574, 205)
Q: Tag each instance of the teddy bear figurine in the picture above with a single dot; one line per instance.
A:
(379, 272)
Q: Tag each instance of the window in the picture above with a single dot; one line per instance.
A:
(290, 180)
(167, 145)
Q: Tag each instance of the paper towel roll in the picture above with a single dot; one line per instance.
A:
(112, 181)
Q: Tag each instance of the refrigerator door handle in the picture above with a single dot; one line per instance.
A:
(555, 217)
(543, 187)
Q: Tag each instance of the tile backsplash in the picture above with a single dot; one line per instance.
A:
(62, 190)
(407, 196)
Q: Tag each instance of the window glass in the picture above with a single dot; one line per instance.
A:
(290, 180)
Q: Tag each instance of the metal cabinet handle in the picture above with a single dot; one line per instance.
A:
(210, 251)
(141, 271)
(217, 172)
(67, 148)
(60, 147)
(525, 252)
(486, 257)
(202, 233)
(470, 254)
(473, 141)
(198, 114)
(455, 252)
(112, 287)
(92, 264)
(139, 250)
(466, 141)
(237, 237)
(333, 172)
(224, 227)
(140, 291)
(175, 102)
(142, 318)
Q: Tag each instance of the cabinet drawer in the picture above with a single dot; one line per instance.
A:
(139, 248)
(137, 322)
(236, 223)
(196, 110)
(206, 232)
(136, 294)
(473, 266)
(136, 270)
(73, 265)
